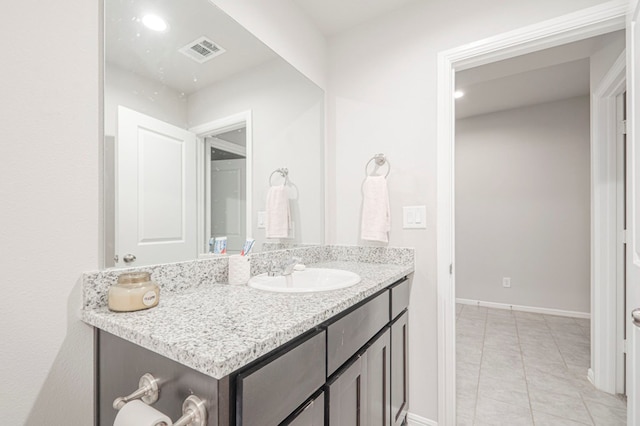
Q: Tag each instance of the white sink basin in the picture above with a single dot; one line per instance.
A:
(307, 281)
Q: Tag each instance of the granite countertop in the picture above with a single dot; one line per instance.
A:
(217, 329)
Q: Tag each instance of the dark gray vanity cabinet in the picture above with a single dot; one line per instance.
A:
(347, 395)
(268, 393)
(360, 392)
(399, 362)
(378, 390)
(399, 351)
(312, 414)
(350, 370)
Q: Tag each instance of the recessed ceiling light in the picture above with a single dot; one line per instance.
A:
(458, 94)
(154, 22)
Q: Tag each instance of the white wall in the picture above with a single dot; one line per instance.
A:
(282, 26)
(49, 189)
(142, 95)
(523, 206)
(382, 98)
(287, 119)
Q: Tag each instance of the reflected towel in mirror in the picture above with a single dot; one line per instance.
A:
(278, 220)
(376, 212)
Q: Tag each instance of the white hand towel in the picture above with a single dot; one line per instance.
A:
(278, 212)
(376, 213)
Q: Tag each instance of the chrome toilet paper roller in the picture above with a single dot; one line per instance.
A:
(194, 410)
(137, 413)
(148, 391)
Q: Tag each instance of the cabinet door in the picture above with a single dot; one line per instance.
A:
(347, 396)
(269, 393)
(379, 381)
(311, 415)
(399, 378)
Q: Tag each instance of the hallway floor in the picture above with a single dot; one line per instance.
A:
(519, 368)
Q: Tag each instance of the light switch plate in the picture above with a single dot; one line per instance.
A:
(262, 220)
(414, 217)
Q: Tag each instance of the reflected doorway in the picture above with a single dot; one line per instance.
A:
(226, 178)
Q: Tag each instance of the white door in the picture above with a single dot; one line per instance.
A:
(156, 218)
(228, 201)
(633, 215)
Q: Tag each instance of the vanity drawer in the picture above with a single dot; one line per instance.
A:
(400, 297)
(269, 394)
(347, 335)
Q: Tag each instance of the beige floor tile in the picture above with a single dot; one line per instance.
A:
(506, 388)
(510, 362)
(543, 419)
(576, 358)
(464, 419)
(502, 313)
(490, 412)
(558, 370)
(473, 312)
(543, 382)
(542, 351)
(590, 394)
(564, 406)
(558, 320)
(511, 366)
(489, 370)
(604, 415)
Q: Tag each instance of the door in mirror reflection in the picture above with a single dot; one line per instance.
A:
(156, 196)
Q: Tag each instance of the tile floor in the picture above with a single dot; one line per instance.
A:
(518, 368)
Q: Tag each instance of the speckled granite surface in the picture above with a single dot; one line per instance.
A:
(217, 329)
(180, 276)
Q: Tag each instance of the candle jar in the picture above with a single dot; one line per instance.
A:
(134, 292)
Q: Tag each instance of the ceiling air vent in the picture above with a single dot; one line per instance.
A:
(201, 50)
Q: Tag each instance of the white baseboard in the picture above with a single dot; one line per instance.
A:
(591, 377)
(546, 311)
(415, 420)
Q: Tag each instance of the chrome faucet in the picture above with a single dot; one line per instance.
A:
(275, 269)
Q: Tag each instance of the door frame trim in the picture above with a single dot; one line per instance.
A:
(607, 323)
(593, 21)
(227, 123)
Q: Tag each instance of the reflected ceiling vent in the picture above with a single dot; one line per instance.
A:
(202, 50)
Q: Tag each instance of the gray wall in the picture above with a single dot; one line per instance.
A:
(523, 206)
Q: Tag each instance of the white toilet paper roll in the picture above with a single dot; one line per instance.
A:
(137, 413)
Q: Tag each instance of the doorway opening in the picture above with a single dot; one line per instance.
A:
(225, 174)
(578, 26)
(226, 186)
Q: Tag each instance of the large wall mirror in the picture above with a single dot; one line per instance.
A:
(200, 120)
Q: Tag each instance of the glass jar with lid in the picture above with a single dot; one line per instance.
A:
(134, 291)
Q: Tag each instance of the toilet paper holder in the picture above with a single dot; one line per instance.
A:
(194, 410)
(148, 391)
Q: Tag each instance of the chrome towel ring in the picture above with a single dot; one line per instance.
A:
(284, 172)
(380, 160)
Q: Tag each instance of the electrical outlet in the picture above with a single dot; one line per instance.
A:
(506, 282)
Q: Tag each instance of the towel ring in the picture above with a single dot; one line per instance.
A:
(380, 160)
(284, 172)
